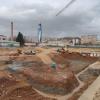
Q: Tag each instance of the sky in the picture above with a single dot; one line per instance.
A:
(82, 17)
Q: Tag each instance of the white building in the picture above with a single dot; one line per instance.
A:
(2, 37)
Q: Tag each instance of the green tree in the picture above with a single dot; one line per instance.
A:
(20, 39)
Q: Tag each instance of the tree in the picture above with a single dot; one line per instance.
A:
(20, 39)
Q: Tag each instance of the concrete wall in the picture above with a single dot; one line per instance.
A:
(4, 43)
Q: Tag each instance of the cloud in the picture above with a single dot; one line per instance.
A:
(82, 17)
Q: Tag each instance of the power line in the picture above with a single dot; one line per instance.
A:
(71, 2)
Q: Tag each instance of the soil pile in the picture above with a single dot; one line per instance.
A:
(77, 61)
(45, 58)
(78, 56)
(58, 58)
(12, 89)
(27, 58)
(25, 93)
(50, 80)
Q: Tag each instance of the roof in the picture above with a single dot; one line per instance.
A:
(3, 36)
(70, 38)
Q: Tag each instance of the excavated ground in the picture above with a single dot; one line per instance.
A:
(12, 88)
(75, 61)
(60, 83)
(38, 73)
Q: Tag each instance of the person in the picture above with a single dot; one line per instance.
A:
(63, 50)
(53, 65)
(31, 52)
(19, 51)
(58, 50)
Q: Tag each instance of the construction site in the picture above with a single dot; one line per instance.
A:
(48, 74)
(53, 68)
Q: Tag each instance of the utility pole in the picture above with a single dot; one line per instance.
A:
(11, 31)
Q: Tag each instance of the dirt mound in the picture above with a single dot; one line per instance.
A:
(45, 58)
(13, 54)
(40, 49)
(12, 89)
(75, 55)
(78, 62)
(58, 59)
(27, 58)
(5, 74)
(25, 93)
(75, 61)
(54, 82)
(5, 86)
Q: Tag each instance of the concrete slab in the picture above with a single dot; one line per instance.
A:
(96, 65)
(90, 92)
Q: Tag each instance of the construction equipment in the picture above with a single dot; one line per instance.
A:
(62, 50)
(71, 2)
(30, 52)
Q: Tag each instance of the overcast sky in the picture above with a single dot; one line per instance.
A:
(82, 17)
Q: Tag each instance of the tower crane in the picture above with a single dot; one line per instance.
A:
(70, 3)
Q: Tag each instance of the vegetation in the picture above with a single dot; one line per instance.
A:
(20, 39)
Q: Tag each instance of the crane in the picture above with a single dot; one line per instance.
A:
(71, 2)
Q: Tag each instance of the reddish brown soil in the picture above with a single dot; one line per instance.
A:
(25, 93)
(44, 76)
(77, 94)
(75, 55)
(58, 58)
(11, 89)
(64, 80)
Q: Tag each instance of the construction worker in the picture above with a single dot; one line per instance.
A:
(19, 51)
(63, 50)
(58, 50)
(53, 65)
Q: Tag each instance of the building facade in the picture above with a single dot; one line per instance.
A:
(88, 39)
(2, 37)
(71, 40)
